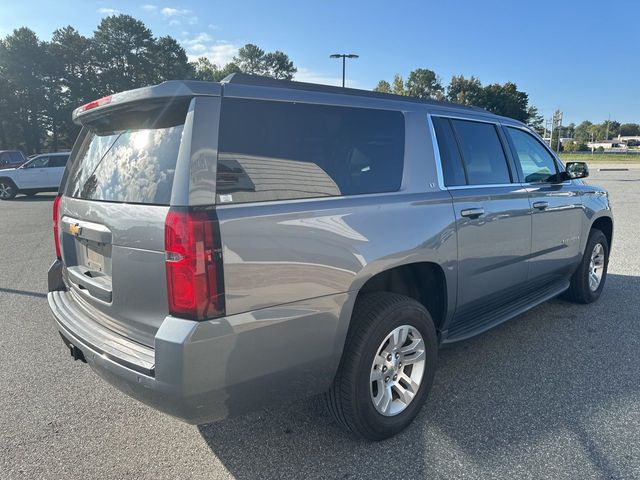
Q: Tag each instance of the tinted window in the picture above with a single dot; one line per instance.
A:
(58, 161)
(537, 164)
(452, 168)
(4, 158)
(482, 153)
(280, 150)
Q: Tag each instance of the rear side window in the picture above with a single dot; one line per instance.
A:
(121, 159)
(484, 159)
(280, 150)
(58, 161)
(452, 168)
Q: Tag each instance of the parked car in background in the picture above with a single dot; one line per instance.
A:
(221, 246)
(11, 159)
(42, 173)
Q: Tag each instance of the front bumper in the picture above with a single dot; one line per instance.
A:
(204, 371)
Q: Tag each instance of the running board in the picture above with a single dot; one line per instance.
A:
(474, 326)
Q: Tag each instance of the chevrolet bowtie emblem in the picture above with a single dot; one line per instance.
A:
(75, 229)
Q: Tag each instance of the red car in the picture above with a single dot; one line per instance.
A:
(11, 159)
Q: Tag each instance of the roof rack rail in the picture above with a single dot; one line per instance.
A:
(261, 81)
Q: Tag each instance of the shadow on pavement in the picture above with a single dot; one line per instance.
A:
(40, 197)
(545, 374)
(23, 292)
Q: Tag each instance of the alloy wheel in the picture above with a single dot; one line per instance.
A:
(5, 190)
(397, 370)
(596, 267)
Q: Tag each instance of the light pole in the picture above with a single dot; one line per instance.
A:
(344, 56)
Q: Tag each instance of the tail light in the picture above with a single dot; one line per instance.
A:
(56, 228)
(194, 264)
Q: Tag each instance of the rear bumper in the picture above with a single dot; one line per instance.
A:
(204, 371)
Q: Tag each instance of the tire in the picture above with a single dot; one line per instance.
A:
(8, 189)
(351, 397)
(580, 289)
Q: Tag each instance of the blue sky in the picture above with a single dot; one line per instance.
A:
(582, 57)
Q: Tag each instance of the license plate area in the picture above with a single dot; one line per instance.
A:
(95, 258)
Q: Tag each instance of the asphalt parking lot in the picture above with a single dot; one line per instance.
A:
(554, 393)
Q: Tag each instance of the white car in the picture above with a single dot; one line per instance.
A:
(43, 173)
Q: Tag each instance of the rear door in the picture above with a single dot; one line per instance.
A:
(117, 193)
(556, 208)
(57, 164)
(492, 219)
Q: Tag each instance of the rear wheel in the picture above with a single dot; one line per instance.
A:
(588, 280)
(387, 367)
(8, 190)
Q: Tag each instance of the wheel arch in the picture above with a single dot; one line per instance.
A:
(605, 225)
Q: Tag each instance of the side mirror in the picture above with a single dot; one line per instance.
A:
(577, 169)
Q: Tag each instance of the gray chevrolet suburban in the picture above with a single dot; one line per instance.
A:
(223, 246)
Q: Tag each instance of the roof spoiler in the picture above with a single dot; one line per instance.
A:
(170, 90)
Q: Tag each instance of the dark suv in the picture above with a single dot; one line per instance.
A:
(223, 246)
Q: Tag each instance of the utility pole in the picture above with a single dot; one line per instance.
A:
(344, 56)
(559, 120)
(548, 127)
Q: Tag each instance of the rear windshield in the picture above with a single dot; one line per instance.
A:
(132, 165)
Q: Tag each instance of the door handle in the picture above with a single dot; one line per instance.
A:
(540, 205)
(472, 212)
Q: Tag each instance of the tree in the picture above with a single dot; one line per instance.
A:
(629, 129)
(383, 87)
(22, 57)
(466, 91)
(251, 59)
(570, 147)
(506, 100)
(170, 60)
(424, 83)
(10, 126)
(72, 79)
(204, 69)
(582, 133)
(124, 54)
(536, 121)
(398, 85)
(278, 65)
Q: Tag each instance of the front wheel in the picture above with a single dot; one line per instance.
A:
(7, 190)
(387, 367)
(588, 280)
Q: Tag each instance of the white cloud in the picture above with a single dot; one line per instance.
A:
(108, 11)
(149, 7)
(311, 76)
(174, 12)
(179, 15)
(203, 45)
